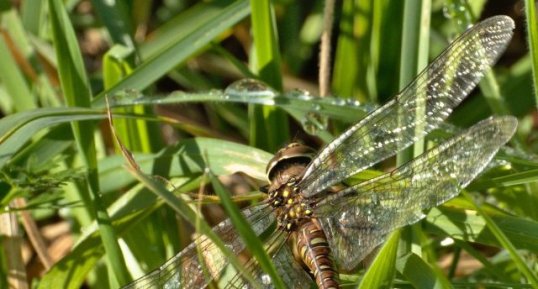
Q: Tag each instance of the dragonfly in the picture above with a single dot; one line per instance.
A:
(314, 225)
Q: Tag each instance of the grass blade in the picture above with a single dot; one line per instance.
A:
(17, 129)
(421, 274)
(252, 242)
(115, 16)
(506, 244)
(414, 58)
(184, 210)
(532, 38)
(381, 272)
(269, 126)
(10, 72)
(76, 90)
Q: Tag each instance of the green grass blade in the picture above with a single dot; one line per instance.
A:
(414, 58)
(252, 242)
(532, 278)
(115, 16)
(488, 265)
(31, 14)
(136, 135)
(532, 38)
(223, 158)
(359, 46)
(74, 81)
(14, 81)
(519, 178)
(421, 274)
(463, 223)
(89, 249)
(330, 107)
(266, 61)
(381, 272)
(76, 90)
(10, 72)
(17, 129)
(181, 25)
(345, 76)
(184, 210)
(269, 126)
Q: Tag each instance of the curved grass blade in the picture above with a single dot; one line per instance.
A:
(184, 210)
(251, 241)
(17, 129)
(339, 109)
(381, 272)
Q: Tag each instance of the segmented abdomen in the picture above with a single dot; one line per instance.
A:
(315, 252)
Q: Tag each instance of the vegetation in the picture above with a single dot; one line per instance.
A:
(166, 69)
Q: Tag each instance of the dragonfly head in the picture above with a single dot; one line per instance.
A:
(287, 161)
(284, 172)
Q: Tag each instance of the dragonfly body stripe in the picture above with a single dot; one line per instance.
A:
(316, 254)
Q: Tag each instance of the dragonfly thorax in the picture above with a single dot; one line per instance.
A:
(284, 172)
(290, 207)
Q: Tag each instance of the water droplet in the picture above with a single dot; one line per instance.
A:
(125, 97)
(339, 102)
(314, 122)
(447, 242)
(375, 199)
(266, 279)
(249, 88)
(300, 94)
(457, 9)
(447, 11)
(352, 102)
(214, 92)
(173, 282)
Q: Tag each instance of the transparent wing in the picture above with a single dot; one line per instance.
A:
(202, 261)
(417, 110)
(289, 270)
(358, 218)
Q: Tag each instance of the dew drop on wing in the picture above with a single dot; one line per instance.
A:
(343, 217)
(173, 283)
(369, 215)
(266, 279)
(375, 200)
